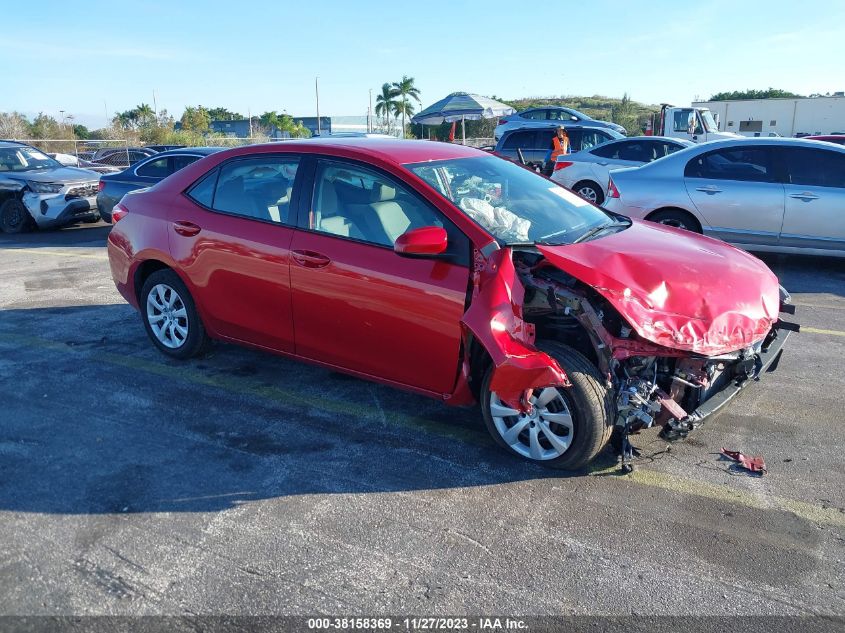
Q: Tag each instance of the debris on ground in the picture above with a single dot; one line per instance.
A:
(754, 465)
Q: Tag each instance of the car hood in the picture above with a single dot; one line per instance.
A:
(675, 288)
(59, 174)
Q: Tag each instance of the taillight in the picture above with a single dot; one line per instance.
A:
(612, 191)
(562, 164)
(100, 185)
(118, 213)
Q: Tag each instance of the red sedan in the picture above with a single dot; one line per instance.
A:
(452, 273)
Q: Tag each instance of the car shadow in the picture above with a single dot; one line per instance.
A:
(84, 235)
(97, 421)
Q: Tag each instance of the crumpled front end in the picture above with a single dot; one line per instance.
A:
(495, 319)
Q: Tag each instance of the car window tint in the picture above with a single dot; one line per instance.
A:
(668, 148)
(180, 162)
(258, 188)
(609, 150)
(736, 163)
(155, 168)
(814, 167)
(520, 139)
(560, 115)
(534, 115)
(203, 191)
(357, 203)
(636, 151)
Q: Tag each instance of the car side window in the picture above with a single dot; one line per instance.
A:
(814, 167)
(609, 150)
(155, 168)
(203, 191)
(520, 139)
(589, 138)
(534, 115)
(668, 148)
(559, 115)
(257, 188)
(749, 164)
(357, 203)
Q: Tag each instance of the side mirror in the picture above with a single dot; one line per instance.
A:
(425, 241)
(573, 118)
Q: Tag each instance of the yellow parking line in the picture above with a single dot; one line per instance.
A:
(813, 330)
(641, 476)
(40, 251)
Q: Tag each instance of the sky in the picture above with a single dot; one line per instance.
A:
(96, 58)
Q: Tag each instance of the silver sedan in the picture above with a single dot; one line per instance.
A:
(780, 195)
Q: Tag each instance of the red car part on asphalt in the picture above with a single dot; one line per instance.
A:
(630, 320)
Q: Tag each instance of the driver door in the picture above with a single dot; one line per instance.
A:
(360, 306)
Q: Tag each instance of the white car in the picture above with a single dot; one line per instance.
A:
(586, 172)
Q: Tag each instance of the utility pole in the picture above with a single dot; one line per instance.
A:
(317, 92)
(370, 113)
(155, 105)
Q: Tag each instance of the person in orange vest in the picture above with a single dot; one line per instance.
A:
(560, 145)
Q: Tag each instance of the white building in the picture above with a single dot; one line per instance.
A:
(782, 117)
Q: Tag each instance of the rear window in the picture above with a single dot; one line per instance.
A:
(520, 139)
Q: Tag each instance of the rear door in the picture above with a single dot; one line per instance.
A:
(815, 198)
(738, 193)
(231, 236)
(356, 303)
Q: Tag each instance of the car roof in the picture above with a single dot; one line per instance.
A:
(755, 140)
(398, 152)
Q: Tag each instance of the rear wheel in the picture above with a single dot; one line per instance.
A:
(170, 316)
(14, 217)
(566, 427)
(676, 217)
(590, 191)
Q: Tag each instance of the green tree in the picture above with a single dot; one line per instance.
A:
(80, 131)
(405, 89)
(769, 93)
(386, 103)
(223, 114)
(45, 126)
(195, 119)
(284, 123)
(145, 115)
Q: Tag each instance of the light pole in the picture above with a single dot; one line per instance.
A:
(317, 93)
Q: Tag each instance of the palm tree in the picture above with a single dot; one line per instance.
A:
(385, 104)
(405, 89)
(144, 113)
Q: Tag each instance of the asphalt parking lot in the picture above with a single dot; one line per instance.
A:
(244, 483)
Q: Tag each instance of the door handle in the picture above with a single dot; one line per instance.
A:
(188, 229)
(711, 189)
(806, 196)
(603, 164)
(310, 259)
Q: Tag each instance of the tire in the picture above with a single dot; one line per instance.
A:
(587, 403)
(166, 303)
(676, 217)
(14, 217)
(590, 191)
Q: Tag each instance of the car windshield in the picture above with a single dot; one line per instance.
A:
(513, 204)
(24, 159)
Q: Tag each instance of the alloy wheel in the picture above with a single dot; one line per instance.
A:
(541, 433)
(588, 193)
(167, 316)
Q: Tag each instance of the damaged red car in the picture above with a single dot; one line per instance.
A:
(452, 273)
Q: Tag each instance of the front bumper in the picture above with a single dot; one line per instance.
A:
(53, 210)
(766, 360)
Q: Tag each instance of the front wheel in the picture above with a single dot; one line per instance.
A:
(170, 316)
(14, 218)
(566, 426)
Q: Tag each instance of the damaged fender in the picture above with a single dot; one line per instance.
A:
(495, 318)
